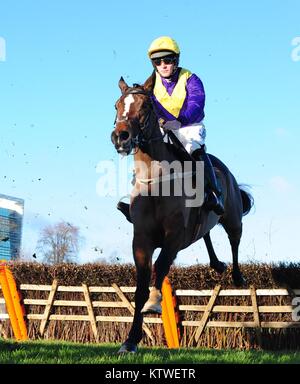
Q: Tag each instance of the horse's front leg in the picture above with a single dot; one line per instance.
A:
(142, 251)
(161, 269)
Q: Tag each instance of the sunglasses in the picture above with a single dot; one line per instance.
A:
(166, 60)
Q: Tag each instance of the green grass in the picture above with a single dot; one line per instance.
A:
(58, 352)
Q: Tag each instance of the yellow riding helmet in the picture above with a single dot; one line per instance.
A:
(162, 46)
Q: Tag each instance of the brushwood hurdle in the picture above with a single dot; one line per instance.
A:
(197, 311)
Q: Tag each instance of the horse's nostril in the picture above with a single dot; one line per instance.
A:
(113, 137)
(123, 136)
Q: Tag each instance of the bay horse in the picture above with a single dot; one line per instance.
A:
(165, 221)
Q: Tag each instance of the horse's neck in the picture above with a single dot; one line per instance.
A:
(148, 159)
(145, 164)
(155, 148)
(158, 151)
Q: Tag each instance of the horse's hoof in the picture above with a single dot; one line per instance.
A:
(153, 304)
(152, 309)
(128, 347)
(239, 280)
(219, 267)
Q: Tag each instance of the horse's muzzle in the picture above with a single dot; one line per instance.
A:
(122, 142)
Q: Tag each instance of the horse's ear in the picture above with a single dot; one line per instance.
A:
(149, 83)
(122, 84)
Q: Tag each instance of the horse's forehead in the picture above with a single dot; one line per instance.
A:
(129, 104)
(128, 101)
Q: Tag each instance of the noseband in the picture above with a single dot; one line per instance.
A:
(142, 137)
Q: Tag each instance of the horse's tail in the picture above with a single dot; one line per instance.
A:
(247, 199)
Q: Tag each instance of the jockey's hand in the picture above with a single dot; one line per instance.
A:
(171, 125)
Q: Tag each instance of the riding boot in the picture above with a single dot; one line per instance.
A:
(124, 208)
(214, 201)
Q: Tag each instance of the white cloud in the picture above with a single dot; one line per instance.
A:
(2, 49)
(281, 132)
(280, 184)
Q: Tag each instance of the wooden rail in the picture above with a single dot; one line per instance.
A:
(202, 313)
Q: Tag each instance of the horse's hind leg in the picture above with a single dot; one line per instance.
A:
(234, 235)
(215, 263)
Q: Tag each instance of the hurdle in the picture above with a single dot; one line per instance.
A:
(13, 302)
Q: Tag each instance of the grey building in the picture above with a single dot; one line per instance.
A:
(11, 220)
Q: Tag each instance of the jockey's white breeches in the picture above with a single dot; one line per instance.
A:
(192, 136)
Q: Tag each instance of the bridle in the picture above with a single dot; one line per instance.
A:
(144, 135)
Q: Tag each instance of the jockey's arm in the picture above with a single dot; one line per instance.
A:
(193, 108)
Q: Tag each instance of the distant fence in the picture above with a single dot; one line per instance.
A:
(198, 312)
(257, 312)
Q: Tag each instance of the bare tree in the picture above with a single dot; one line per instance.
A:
(59, 243)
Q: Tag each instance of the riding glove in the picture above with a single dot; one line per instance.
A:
(172, 125)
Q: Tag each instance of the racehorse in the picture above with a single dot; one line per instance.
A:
(161, 221)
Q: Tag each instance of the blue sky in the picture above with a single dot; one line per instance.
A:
(58, 86)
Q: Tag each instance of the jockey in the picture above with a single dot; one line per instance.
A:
(179, 99)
